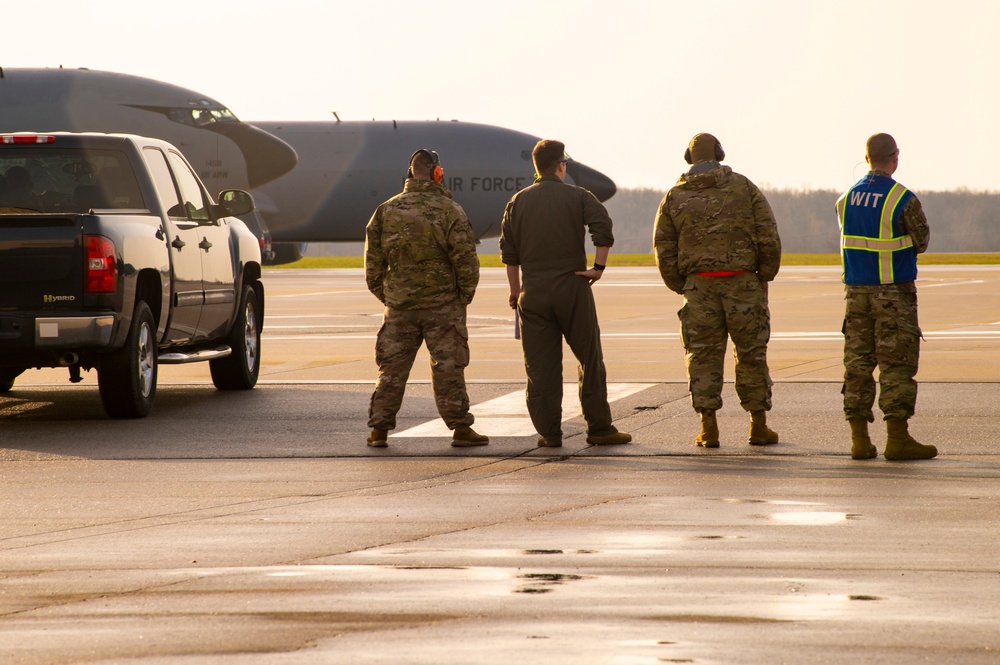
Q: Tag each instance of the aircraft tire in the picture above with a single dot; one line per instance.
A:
(240, 369)
(126, 378)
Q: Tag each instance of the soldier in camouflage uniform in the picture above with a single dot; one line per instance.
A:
(421, 262)
(717, 244)
(883, 228)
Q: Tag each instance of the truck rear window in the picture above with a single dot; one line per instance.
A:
(49, 180)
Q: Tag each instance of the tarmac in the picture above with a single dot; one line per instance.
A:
(257, 527)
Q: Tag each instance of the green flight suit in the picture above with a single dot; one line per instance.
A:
(543, 231)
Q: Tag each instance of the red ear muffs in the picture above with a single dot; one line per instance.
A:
(437, 173)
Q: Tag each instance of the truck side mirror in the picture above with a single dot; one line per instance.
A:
(236, 202)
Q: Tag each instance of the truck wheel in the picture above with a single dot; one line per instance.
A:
(239, 370)
(7, 377)
(127, 378)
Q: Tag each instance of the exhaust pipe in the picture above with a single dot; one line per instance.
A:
(68, 359)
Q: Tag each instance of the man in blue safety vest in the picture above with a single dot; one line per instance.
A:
(883, 228)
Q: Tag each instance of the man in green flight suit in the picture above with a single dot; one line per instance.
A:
(542, 240)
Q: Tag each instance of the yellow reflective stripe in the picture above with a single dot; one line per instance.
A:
(888, 210)
(885, 268)
(884, 249)
(841, 209)
(875, 245)
(892, 199)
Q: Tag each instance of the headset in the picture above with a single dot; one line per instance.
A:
(437, 173)
(720, 154)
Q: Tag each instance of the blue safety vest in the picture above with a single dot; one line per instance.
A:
(874, 249)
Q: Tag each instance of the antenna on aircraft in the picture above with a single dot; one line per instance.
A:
(335, 115)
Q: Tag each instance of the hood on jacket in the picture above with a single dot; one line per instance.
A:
(717, 176)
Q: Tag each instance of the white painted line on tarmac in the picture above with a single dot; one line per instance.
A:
(508, 415)
(966, 282)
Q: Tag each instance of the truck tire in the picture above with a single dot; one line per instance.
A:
(7, 377)
(239, 370)
(127, 378)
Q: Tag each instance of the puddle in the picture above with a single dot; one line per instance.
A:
(773, 502)
(550, 577)
(545, 581)
(429, 567)
(715, 618)
(815, 518)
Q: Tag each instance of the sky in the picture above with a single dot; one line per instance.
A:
(792, 88)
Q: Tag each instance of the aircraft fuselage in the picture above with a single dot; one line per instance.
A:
(346, 169)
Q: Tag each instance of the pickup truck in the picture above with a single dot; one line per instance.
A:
(114, 257)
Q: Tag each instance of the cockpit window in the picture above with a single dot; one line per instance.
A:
(199, 117)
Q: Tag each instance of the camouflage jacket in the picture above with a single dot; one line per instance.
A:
(420, 251)
(712, 221)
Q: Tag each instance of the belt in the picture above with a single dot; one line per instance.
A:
(721, 273)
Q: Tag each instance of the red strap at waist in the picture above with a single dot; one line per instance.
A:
(721, 273)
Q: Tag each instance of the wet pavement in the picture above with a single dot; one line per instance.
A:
(258, 528)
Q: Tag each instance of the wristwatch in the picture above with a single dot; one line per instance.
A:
(598, 267)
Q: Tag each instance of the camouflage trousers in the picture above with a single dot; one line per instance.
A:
(717, 308)
(880, 330)
(444, 331)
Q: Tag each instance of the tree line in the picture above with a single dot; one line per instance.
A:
(960, 220)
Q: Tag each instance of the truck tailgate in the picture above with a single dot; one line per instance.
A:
(41, 261)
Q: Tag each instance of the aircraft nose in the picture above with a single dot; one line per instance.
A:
(599, 184)
(267, 157)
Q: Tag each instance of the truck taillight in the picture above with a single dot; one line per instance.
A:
(27, 138)
(102, 268)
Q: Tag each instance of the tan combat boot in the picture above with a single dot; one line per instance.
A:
(465, 437)
(861, 443)
(760, 433)
(615, 438)
(377, 439)
(709, 436)
(899, 445)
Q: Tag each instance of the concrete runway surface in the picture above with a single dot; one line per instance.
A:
(258, 528)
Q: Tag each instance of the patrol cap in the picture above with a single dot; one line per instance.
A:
(880, 148)
(704, 148)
